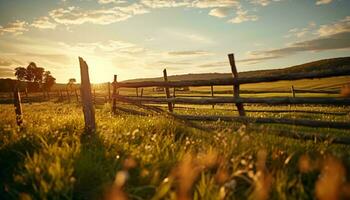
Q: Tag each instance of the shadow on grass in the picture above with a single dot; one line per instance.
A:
(11, 156)
(94, 169)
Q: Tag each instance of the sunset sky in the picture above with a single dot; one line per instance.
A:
(139, 38)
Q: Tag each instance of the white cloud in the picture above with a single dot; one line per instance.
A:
(215, 3)
(73, 15)
(342, 25)
(111, 1)
(263, 2)
(219, 12)
(321, 2)
(15, 28)
(243, 16)
(43, 23)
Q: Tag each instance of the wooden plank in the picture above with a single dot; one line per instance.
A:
(241, 80)
(167, 92)
(272, 101)
(18, 106)
(239, 106)
(86, 97)
(114, 103)
(301, 122)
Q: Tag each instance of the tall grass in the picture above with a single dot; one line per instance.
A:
(156, 157)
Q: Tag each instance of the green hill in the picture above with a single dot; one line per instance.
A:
(320, 65)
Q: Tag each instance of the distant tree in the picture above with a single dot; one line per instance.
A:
(21, 73)
(71, 83)
(48, 80)
(36, 76)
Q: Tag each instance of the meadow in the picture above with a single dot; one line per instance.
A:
(159, 157)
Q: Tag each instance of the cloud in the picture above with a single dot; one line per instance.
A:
(219, 12)
(189, 53)
(215, 3)
(243, 16)
(111, 1)
(321, 2)
(15, 28)
(164, 3)
(331, 42)
(214, 64)
(43, 23)
(6, 72)
(338, 27)
(263, 2)
(301, 32)
(74, 15)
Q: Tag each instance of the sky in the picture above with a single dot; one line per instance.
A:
(139, 38)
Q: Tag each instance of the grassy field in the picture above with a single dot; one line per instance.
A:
(158, 157)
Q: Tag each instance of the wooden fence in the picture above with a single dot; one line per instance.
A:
(88, 98)
(235, 82)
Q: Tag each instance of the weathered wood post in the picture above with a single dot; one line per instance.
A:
(174, 95)
(239, 106)
(26, 92)
(68, 95)
(109, 91)
(137, 92)
(76, 95)
(212, 93)
(167, 92)
(293, 91)
(141, 95)
(18, 106)
(86, 98)
(94, 96)
(114, 103)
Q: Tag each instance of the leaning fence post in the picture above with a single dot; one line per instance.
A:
(114, 103)
(167, 92)
(137, 92)
(86, 97)
(293, 91)
(18, 107)
(240, 107)
(94, 96)
(212, 93)
(141, 95)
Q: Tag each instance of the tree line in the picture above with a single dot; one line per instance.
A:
(31, 78)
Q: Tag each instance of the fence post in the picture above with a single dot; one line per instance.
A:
(18, 106)
(212, 94)
(239, 106)
(141, 95)
(26, 92)
(137, 92)
(76, 95)
(94, 96)
(167, 92)
(68, 95)
(114, 103)
(109, 91)
(293, 91)
(174, 95)
(86, 98)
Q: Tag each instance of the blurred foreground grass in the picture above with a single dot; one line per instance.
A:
(157, 157)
